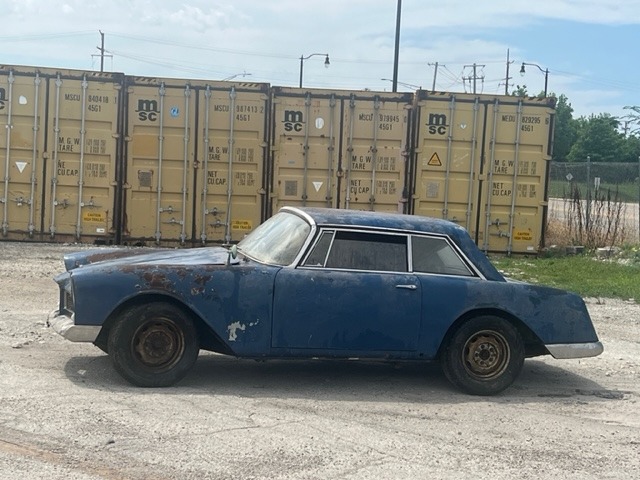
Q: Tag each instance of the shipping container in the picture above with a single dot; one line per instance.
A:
(339, 149)
(108, 158)
(482, 161)
(194, 162)
(60, 152)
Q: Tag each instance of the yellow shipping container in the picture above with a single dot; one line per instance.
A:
(339, 149)
(482, 161)
(60, 153)
(195, 160)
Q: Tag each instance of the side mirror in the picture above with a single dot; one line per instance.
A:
(233, 253)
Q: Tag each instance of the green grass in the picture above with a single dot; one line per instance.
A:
(582, 274)
(627, 192)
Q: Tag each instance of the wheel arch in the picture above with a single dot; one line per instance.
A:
(532, 344)
(208, 338)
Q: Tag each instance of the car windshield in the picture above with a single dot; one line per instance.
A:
(278, 240)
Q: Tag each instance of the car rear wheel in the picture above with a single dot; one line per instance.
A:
(153, 345)
(484, 356)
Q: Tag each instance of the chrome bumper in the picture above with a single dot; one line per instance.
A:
(575, 350)
(65, 326)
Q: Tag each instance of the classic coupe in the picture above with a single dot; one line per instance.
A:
(320, 283)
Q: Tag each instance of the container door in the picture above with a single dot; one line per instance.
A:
(161, 144)
(448, 159)
(305, 157)
(21, 146)
(232, 160)
(82, 144)
(373, 167)
(511, 209)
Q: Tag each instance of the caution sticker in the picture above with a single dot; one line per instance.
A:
(241, 225)
(94, 217)
(525, 235)
(434, 161)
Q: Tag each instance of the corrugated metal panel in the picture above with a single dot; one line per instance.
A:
(160, 160)
(375, 153)
(339, 149)
(195, 160)
(82, 155)
(481, 161)
(231, 187)
(512, 206)
(22, 113)
(60, 150)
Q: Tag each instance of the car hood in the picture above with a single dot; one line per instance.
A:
(146, 256)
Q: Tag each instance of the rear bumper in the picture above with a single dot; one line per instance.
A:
(65, 326)
(575, 350)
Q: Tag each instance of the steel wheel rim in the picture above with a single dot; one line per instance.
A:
(158, 344)
(486, 355)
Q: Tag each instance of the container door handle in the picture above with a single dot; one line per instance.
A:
(407, 287)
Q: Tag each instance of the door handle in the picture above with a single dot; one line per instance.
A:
(407, 287)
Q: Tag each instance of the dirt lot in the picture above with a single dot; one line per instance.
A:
(65, 413)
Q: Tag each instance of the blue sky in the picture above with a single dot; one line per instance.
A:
(588, 46)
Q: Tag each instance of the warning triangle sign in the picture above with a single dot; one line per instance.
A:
(434, 161)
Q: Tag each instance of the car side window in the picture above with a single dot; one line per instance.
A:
(368, 251)
(318, 256)
(435, 255)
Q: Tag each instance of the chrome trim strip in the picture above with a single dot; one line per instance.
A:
(65, 326)
(575, 350)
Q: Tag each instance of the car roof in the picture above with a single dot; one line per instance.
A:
(386, 220)
(396, 221)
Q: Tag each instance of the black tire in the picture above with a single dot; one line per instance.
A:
(153, 345)
(484, 356)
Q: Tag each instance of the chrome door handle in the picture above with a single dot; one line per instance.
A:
(407, 287)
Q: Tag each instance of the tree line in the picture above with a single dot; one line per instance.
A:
(602, 137)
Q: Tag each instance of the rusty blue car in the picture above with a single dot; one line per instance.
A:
(320, 283)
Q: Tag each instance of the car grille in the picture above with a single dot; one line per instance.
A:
(66, 301)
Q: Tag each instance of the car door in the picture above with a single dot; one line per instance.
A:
(351, 295)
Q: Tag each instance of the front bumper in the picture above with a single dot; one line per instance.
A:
(575, 350)
(65, 326)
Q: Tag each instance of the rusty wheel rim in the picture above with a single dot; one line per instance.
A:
(486, 355)
(158, 344)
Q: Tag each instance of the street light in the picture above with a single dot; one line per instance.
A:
(303, 58)
(545, 71)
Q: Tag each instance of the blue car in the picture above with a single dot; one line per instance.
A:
(312, 282)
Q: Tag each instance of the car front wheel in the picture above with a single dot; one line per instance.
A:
(153, 345)
(484, 356)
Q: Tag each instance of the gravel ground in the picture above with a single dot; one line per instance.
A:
(66, 414)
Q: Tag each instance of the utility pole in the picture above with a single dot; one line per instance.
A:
(435, 74)
(102, 51)
(475, 76)
(507, 78)
(397, 49)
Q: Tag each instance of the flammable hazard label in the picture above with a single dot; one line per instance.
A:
(434, 161)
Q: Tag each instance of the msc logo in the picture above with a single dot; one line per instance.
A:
(437, 123)
(147, 110)
(3, 97)
(293, 121)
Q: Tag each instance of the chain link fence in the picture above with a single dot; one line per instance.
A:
(594, 184)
